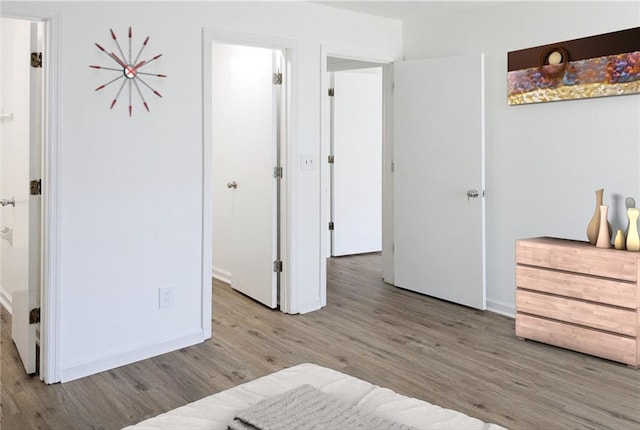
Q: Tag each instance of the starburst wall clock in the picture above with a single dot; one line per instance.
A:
(129, 73)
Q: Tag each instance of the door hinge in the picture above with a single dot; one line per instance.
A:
(393, 166)
(35, 187)
(36, 60)
(332, 159)
(278, 172)
(277, 79)
(34, 316)
(277, 266)
(332, 92)
(331, 226)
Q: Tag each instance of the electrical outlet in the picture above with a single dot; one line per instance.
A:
(165, 297)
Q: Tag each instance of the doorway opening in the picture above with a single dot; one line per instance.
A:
(355, 159)
(371, 78)
(247, 86)
(247, 109)
(22, 129)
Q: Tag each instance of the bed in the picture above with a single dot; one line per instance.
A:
(217, 411)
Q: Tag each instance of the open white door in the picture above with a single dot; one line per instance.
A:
(245, 138)
(439, 178)
(356, 184)
(22, 148)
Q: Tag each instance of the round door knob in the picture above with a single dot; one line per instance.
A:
(232, 184)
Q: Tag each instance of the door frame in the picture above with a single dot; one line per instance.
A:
(209, 37)
(325, 150)
(50, 303)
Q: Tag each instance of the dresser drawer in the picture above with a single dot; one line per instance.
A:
(588, 314)
(606, 345)
(606, 291)
(577, 257)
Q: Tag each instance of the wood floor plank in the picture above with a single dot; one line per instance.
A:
(446, 354)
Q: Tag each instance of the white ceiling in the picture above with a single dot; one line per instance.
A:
(404, 10)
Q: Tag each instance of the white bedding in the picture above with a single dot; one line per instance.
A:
(215, 412)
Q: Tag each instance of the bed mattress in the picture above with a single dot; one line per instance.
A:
(215, 412)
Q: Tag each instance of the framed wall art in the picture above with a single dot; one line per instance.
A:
(596, 66)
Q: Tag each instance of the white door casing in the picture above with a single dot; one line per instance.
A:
(439, 232)
(357, 171)
(245, 141)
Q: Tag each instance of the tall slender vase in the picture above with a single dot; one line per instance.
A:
(604, 236)
(633, 239)
(594, 225)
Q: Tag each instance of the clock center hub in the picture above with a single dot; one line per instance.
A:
(130, 72)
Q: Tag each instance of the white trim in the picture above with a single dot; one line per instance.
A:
(207, 188)
(50, 292)
(309, 307)
(325, 146)
(483, 162)
(6, 300)
(501, 308)
(101, 363)
(209, 36)
(221, 275)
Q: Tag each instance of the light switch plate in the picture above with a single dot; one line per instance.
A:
(307, 162)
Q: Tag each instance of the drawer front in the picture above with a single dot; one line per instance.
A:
(601, 317)
(577, 257)
(607, 291)
(606, 345)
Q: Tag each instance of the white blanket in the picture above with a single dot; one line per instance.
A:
(306, 407)
(215, 412)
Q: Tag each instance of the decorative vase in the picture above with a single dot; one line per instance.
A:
(629, 202)
(604, 236)
(620, 241)
(633, 240)
(594, 225)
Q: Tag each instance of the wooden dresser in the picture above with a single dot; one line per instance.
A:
(576, 296)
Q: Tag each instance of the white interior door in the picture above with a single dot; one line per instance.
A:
(439, 157)
(245, 153)
(21, 145)
(357, 169)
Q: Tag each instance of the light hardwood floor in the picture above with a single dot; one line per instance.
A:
(443, 353)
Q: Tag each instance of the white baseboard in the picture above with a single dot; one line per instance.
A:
(221, 275)
(5, 300)
(99, 364)
(501, 308)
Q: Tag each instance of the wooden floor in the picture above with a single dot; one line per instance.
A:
(443, 353)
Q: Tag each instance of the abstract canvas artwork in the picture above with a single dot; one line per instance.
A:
(595, 66)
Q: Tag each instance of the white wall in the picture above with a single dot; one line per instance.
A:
(544, 161)
(131, 209)
(14, 158)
